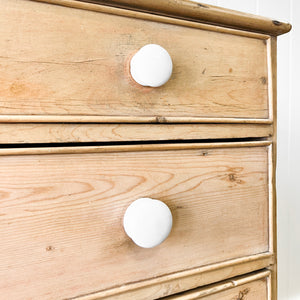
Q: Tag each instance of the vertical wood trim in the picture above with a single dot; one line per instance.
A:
(271, 70)
(274, 155)
(271, 197)
(269, 286)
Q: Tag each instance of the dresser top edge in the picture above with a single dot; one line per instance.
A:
(193, 11)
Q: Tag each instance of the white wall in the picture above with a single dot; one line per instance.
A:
(288, 178)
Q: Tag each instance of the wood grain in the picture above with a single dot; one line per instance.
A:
(152, 17)
(185, 280)
(206, 13)
(252, 287)
(61, 216)
(73, 62)
(127, 148)
(272, 164)
(196, 12)
(68, 133)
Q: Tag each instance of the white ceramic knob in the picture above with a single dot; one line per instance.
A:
(147, 222)
(151, 66)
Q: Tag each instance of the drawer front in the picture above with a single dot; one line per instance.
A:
(61, 214)
(73, 62)
(252, 287)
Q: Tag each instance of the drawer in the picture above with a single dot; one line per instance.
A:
(251, 287)
(73, 65)
(61, 221)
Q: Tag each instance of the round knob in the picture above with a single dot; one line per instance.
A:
(147, 222)
(151, 66)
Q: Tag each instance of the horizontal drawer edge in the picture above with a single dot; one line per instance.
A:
(38, 133)
(131, 148)
(124, 119)
(188, 279)
(221, 286)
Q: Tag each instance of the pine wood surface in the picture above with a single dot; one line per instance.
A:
(74, 62)
(185, 280)
(272, 166)
(61, 216)
(252, 287)
(203, 13)
(127, 148)
(67, 133)
(69, 62)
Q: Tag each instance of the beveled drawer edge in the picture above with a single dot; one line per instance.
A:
(124, 119)
(220, 287)
(204, 13)
(128, 148)
(154, 17)
(185, 280)
(22, 133)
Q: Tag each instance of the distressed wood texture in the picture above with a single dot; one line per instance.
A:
(73, 62)
(68, 133)
(202, 13)
(251, 287)
(272, 165)
(181, 281)
(61, 216)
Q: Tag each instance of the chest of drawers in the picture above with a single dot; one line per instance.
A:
(82, 140)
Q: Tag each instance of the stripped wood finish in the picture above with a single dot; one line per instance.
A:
(62, 215)
(272, 166)
(68, 133)
(250, 287)
(128, 148)
(190, 10)
(185, 280)
(79, 66)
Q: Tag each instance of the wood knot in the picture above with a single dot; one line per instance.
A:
(231, 177)
(179, 206)
(201, 5)
(242, 294)
(160, 119)
(277, 23)
(17, 88)
(263, 80)
(204, 153)
(50, 248)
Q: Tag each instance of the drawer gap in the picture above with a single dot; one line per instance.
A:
(127, 143)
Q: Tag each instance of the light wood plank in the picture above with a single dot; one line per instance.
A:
(196, 11)
(61, 215)
(127, 148)
(67, 133)
(272, 164)
(126, 119)
(75, 62)
(252, 287)
(184, 280)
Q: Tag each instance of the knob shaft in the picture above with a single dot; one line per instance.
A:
(151, 66)
(147, 222)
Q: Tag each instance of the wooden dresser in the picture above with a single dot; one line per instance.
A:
(82, 139)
